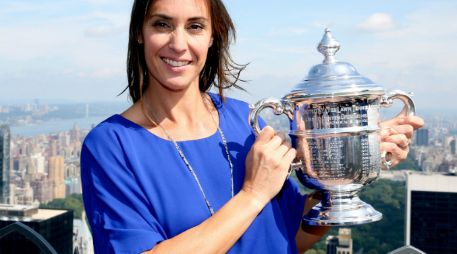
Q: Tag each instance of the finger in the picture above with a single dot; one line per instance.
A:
(386, 132)
(284, 136)
(415, 121)
(405, 129)
(266, 134)
(388, 123)
(397, 154)
(282, 149)
(401, 140)
(275, 142)
(290, 156)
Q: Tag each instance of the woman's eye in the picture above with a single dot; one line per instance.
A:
(161, 25)
(196, 27)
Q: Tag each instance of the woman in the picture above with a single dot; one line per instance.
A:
(180, 171)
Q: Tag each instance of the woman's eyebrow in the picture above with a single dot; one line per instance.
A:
(159, 15)
(200, 19)
(166, 17)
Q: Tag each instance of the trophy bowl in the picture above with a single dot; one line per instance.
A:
(334, 119)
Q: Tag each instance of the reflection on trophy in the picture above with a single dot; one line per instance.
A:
(334, 126)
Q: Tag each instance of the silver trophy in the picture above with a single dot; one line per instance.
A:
(334, 126)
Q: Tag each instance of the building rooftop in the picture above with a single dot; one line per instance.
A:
(26, 213)
(435, 182)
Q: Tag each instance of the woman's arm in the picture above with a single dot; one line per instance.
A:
(218, 233)
(266, 170)
(306, 235)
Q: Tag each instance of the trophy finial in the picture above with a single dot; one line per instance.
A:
(328, 47)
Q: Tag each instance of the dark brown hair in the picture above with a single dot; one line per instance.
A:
(219, 70)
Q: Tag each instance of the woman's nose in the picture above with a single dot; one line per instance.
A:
(178, 40)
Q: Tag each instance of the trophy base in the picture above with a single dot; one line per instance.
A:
(342, 212)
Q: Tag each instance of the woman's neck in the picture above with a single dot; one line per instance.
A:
(184, 106)
(185, 115)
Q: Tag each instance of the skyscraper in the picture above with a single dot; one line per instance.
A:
(431, 207)
(5, 137)
(452, 146)
(422, 137)
(56, 175)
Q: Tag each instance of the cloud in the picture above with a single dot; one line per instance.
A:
(414, 56)
(378, 22)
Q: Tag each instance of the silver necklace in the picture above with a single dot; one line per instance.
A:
(188, 165)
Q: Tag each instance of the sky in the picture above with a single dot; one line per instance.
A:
(75, 51)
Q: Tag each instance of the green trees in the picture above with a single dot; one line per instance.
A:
(383, 236)
(73, 202)
(409, 163)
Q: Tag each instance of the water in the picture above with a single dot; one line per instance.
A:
(55, 126)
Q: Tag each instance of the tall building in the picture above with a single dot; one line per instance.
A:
(341, 244)
(5, 139)
(431, 208)
(422, 137)
(56, 226)
(82, 236)
(43, 190)
(452, 146)
(56, 170)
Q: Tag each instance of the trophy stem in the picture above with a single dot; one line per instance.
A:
(344, 209)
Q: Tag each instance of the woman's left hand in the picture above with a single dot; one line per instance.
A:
(396, 135)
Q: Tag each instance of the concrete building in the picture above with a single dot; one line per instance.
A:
(56, 175)
(431, 212)
(5, 164)
(340, 244)
(42, 189)
(452, 146)
(421, 138)
(82, 237)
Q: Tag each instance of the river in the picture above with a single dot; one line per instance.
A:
(55, 126)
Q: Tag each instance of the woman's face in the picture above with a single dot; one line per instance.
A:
(176, 36)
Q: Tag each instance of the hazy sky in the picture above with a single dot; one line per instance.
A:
(76, 50)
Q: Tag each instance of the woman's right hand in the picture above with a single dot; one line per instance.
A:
(267, 165)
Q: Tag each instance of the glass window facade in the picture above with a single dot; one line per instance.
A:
(57, 230)
(434, 221)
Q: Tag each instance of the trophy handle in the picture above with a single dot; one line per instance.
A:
(408, 110)
(279, 107)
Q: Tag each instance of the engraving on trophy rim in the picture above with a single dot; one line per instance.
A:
(336, 115)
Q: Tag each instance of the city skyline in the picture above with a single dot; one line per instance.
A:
(75, 51)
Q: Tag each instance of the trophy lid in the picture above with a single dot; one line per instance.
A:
(333, 78)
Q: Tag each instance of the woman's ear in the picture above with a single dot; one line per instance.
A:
(211, 42)
(139, 39)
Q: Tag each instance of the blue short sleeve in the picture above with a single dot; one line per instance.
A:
(292, 203)
(116, 207)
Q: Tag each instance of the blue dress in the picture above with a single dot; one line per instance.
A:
(138, 192)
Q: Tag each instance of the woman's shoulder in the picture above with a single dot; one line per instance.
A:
(109, 130)
(230, 103)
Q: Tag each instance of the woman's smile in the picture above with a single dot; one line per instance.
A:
(175, 63)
